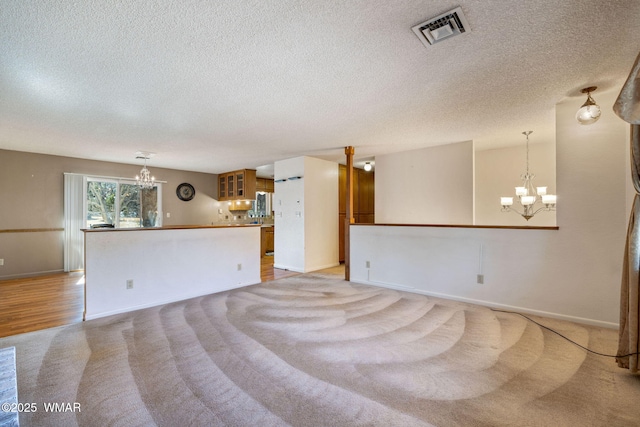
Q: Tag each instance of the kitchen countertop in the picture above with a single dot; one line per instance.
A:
(170, 227)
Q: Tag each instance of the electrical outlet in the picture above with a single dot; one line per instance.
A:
(1, 261)
(480, 279)
(368, 264)
(239, 267)
(130, 284)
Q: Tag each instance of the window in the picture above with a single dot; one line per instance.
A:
(122, 204)
(261, 206)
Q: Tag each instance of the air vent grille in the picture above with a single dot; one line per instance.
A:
(442, 27)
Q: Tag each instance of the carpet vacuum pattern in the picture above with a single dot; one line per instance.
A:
(314, 350)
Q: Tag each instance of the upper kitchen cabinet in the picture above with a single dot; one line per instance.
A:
(264, 184)
(237, 185)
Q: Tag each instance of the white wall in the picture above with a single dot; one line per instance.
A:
(288, 207)
(498, 172)
(321, 207)
(572, 273)
(166, 265)
(592, 174)
(427, 186)
(306, 214)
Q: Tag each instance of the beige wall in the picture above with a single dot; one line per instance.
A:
(31, 197)
(498, 172)
(306, 214)
(428, 186)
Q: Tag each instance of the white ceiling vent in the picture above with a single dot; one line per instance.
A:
(442, 27)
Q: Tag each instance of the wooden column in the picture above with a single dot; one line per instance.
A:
(348, 151)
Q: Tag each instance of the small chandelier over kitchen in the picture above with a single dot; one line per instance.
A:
(528, 196)
(145, 181)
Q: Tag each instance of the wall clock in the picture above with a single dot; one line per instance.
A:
(185, 192)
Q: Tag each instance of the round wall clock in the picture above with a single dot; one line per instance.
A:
(185, 191)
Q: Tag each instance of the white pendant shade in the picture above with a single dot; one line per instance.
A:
(590, 111)
(528, 200)
(588, 114)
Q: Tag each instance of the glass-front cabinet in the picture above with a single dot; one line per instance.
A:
(237, 185)
(222, 187)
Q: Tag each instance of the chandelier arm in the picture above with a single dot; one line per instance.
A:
(509, 209)
(543, 208)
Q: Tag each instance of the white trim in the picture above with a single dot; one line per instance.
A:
(34, 274)
(288, 268)
(162, 302)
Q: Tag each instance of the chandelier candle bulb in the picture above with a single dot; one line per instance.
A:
(506, 201)
(521, 191)
(549, 199)
(541, 191)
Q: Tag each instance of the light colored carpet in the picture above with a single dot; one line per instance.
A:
(314, 350)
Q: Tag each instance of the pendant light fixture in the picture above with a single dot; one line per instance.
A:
(145, 181)
(528, 196)
(590, 111)
(367, 166)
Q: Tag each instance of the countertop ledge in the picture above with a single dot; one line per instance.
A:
(506, 227)
(170, 227)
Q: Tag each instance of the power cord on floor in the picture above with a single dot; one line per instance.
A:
(568, 339)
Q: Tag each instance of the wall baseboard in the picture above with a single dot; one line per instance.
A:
(32, 274)
(490, 304)
(286, 267)
(312, 269)
(162, 302)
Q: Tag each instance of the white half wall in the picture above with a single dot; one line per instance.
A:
(428, 186)
(306, 214)
(571, 273)
(166, 265)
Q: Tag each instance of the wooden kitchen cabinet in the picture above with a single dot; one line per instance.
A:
(264, 184)
(237, 185)
(267, 240)
(239, 205)
(363, 201)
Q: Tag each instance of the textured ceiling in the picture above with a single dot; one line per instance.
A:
(213, 86)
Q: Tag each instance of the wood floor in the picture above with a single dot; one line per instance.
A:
(35, 303)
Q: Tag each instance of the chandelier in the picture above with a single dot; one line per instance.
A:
(145, 181)
(532, 200)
